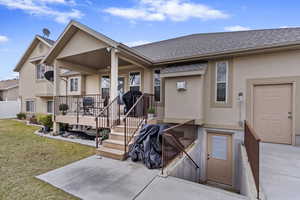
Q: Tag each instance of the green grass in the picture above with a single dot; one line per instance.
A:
(24, 155)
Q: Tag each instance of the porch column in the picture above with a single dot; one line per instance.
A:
(114, 74)
(56, 92)
(114, 82)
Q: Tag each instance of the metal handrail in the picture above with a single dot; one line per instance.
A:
(181, 147)
(252, 145)
(106, 107)
(131, 109)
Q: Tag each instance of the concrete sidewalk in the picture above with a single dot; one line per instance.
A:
(93, 178)
(279, 172)
(179, 189)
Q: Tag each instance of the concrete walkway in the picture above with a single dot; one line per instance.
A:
(280, 171)
(179, 189)
(93, 178)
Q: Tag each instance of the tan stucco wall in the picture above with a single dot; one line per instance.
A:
(184, 105)
(81, 42)
(272, 65)
(29, 87)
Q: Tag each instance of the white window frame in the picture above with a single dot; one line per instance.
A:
(226, 82)
(160, 91)
(129, 82)
(76, 89)
(33, 106)
(52, 106)
(38, 74)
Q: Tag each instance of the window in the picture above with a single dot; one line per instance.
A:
(49, 106)
(134, 81)
(105, 85)
(221, 81)
(74, 84)
(156, 83)
(40, 70)
(29, 106)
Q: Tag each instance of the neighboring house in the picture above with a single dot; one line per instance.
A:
(216, 79)
(9, 90)
(36, 93)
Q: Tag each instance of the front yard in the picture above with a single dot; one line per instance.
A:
(24, 155)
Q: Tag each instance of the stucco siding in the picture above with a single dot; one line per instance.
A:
(10, 94)
(271, 65)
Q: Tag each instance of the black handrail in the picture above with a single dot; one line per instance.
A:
(179, 145)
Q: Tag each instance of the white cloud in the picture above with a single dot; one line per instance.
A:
(237, 28)
(42, 8)
(13, 75)
(136, 43)
(159, 10)
(3, 38)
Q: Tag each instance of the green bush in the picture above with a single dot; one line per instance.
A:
(47, 121)
(151, 110)
(33, 120)
(40, 117)
(21, 116)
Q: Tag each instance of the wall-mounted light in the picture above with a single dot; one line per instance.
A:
(240, 97)
(181, 85)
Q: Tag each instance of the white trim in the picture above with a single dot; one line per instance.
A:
(226, 82)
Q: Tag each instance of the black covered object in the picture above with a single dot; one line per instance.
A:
(129, 98)
(147, 146)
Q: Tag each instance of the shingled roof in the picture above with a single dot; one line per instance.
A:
(6, 84)
(217, 43)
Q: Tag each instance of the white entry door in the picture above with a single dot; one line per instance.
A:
(273, 113)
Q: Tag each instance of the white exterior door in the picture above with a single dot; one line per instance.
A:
(273, 113)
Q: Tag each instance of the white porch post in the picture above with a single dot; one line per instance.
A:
(114, 82)
(114, 74)
(56, 92)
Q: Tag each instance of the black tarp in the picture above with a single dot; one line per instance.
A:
(129, 98)
(147, 146)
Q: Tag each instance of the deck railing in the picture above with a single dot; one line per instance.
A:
(136, 116)
(252, 142)
(175, 142)
(79, 105)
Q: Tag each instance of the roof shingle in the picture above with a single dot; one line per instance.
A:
(214, 43)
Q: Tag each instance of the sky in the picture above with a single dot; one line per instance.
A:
(134, 22)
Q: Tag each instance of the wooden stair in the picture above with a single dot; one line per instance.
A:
(114, 146)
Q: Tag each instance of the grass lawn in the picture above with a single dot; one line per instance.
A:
(24, 155)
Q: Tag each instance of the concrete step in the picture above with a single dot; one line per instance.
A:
(114, 144)
(120, 128)
(110, 153)
(117, 136)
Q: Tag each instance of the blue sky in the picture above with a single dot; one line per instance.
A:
(134, 21)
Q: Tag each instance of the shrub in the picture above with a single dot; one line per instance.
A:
(63, 108)
(40, 117)
(46, 121)
(33, 120)
(21, 116)
(151, 110)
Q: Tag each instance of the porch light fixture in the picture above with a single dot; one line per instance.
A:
(181, 85)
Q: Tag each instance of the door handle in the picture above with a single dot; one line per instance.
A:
(208, 156)
(290, 116)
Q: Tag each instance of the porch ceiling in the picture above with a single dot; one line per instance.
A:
(97, 59)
